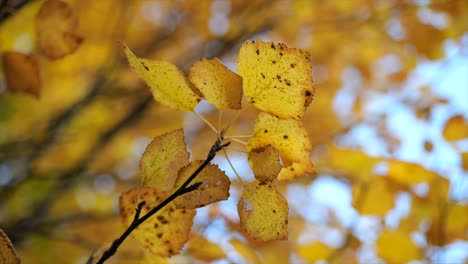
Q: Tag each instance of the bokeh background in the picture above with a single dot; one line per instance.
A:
(388, 124)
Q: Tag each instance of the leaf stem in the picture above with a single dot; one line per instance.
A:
(184, 188)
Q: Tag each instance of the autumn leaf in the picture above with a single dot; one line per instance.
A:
(164, 233)
(7, 251)
(276, 79)
(314, 251)
(205, 250)
(56, 26)
(162, 160)
(265, 163)
(290, 138)
(456, 128)
(247, 252)
(377, 197)
(21, 73)
(263, 212)
(214, 186)
(409, 173)
(168, 84)
(220, 86)
(396, 246)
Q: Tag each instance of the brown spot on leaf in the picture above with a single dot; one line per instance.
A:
(258, 52)
(285, 136)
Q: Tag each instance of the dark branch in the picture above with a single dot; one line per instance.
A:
(183, 189)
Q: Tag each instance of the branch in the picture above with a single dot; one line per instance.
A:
(183, 189)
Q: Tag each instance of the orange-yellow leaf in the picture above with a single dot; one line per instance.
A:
(205, 250)
(313, 252)
(378, 197)
(454, 225)
(263, 212)
(464, 160)
(7, 251)
(168, 84)
(409, 173)
(214, 186)
(276, 79)
(21, 73)
(162, 160)
(396, 246)
(220, 86)
(456, 128)
(290, 138)
(265, 163)
(246, 251)
(166, 232)
(56, 25)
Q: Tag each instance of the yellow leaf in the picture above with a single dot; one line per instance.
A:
(378, 199)
(276, 79)
(263, 212)
(452, 226)
(456, 128)
(290, 138)
(245, 251)
(265, 163)
(219, 85)
(21, 73)
(203, 249)
(56, 25)
(168, 84)
(397, 247)
(149, 258)
(162, 160)
(409, 173)
(214, 186)
(166, 232)
(7, 251)
(464, 160)
(313, 252)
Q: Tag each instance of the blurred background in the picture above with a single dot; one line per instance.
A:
(388, 124)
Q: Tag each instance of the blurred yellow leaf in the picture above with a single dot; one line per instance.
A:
(378, 199)
(220, 86)
(149, 258)
(7, 251)
(314, 251)
(162, 160)
(409, 173)
(396, 246)
(205, 250)
(265, 163)
(449, 227)
(166, 232)
(168, 84)
(214, 186)
(290, 138)
(464, 160)
(263, 212)
(276, 79)
(56, 25)
(21, 73)
(456, 128)
(247, 252)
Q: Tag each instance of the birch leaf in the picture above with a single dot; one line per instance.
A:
(265, 163)
(276, 79)
(167, 83)
(220, 86)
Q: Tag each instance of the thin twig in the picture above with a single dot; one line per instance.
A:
(184, 188)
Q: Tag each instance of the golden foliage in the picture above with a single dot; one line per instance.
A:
(19, 64)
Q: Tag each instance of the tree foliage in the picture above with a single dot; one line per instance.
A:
(336, 137)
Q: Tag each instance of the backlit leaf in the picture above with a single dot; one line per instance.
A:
(276, 79)
(214, 186)
(149, 258)
(263, 212)
(453, 226)
(220, 86)
(203, 249)
(265, 163)
(456, 128)
(56, 25)
(246, 251)
(7, 251)
(409, 173)
(464, 160)
(290, 138)
(396, 246)
(162, 159)
(21, 73)
(166, 232)
(378, 197)
(313, 252)
(168, 84)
